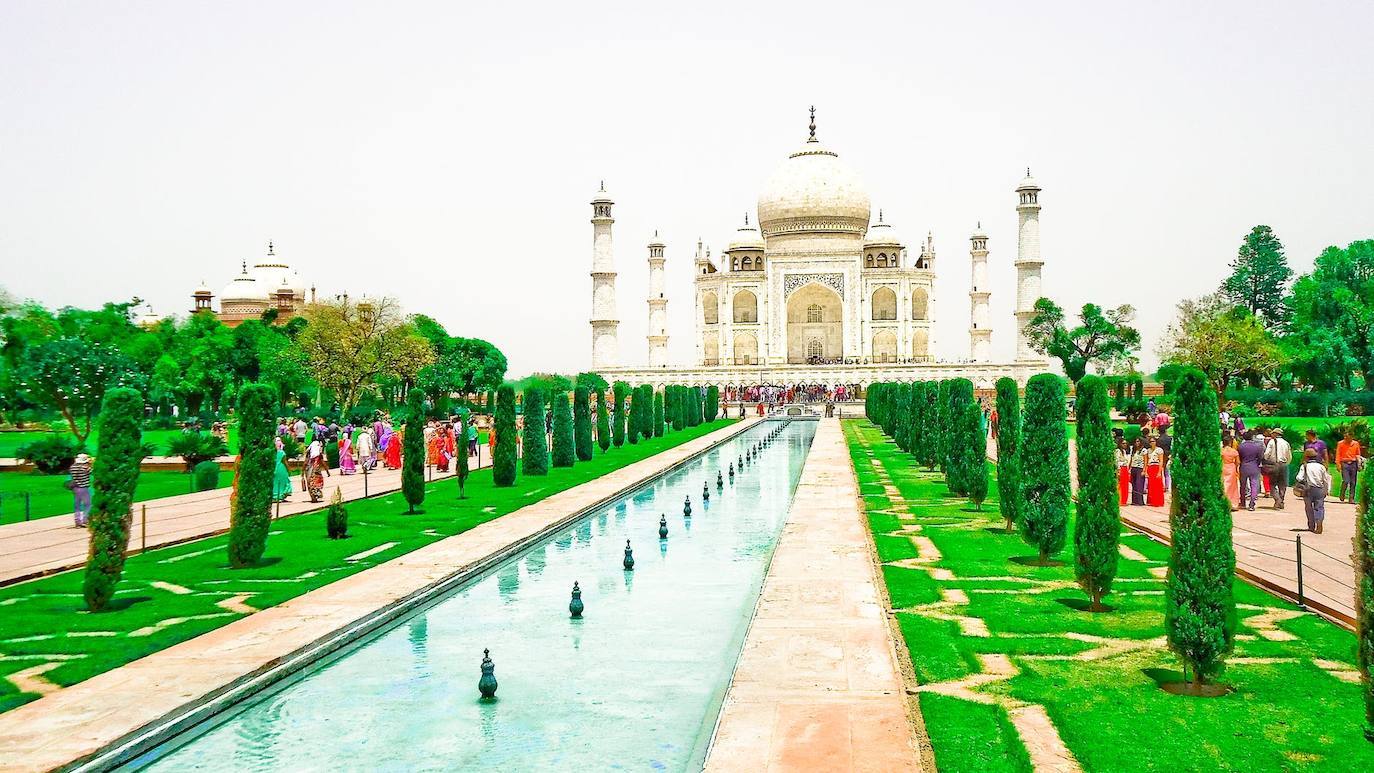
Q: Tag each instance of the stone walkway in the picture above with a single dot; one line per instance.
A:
(74, 723)
(36, 548)
(817, 686)
(1266, 550)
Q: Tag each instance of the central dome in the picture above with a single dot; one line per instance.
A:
(813, 192)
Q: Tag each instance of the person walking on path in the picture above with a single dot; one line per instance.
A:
(1230, 469)
(471, 430)
(316, 467)
(1315, 443)
(281, 478)
(81, 489)
(1314, 482)
(1251, 454)
(1348, 462)
(1278, 455)
(366, 449)
(346, 466)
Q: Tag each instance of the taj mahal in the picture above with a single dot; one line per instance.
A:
(817, 291)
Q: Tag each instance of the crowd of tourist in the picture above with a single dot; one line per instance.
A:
(777, 394)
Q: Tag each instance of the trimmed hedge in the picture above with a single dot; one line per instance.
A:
(504, 455)
(251, 503)
(712, 402)
(1009, 451)
(1045, 466)
(564, 450)
(206, 475)
(113, 480)
(582, 423)
(659, 428)
(618, 417)
(1098, 529)
(1364, 595)
(536, 458)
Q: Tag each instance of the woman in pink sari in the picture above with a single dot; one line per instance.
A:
(1230, 469)
(346, 455)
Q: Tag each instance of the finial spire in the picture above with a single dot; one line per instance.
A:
(980, 224)
(243, 266)
(746, 217)
(603, 185)
(880, 214)
(270, 249)
(1028, 171)
(812, 138)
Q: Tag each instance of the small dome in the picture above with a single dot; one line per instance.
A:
(243, 288)
(272, 274)
(146, 318)
(1028, 184)
(601, 196)
(203, 289)
(978, 232)
(746, 238)
(882, 234)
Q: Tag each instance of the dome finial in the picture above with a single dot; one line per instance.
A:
(880, 214)
(746, 217)
(603, 185)
(1028, 171)
(813, 125)
(243, 266)
(270, 249)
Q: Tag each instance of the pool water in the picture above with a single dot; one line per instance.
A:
(636, 684)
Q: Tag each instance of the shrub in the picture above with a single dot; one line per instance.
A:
(460, 469)
(582, 423)
(1009, 451)
(250, 514)
(536, 458)
(503, 457)
(564, 452)
(618, 418)
(413, 452)
(659, 428)
(603, 422)
(1199, 609)
(50, 454)
(113, 480)
(712, 402)
(1045, 466)
(1098, 528)
(1364, 594)
(336, 516)
(206, 475)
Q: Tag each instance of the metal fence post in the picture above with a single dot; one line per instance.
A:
(26, 505)
(144, 529)
(364, 480)
(1301, 601)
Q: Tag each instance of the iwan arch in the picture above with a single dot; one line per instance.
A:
(820, 291)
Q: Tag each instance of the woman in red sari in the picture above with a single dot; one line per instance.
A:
(392, 458)
(1123, 470)
(1154, 474)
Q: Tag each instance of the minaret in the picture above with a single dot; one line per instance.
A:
(605, 348)
(980, 329)
(658, 307)
(1028, 262)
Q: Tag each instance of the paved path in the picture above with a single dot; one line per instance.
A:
(817, 686)
(1266, 549)
(35, 548)
(76, 722)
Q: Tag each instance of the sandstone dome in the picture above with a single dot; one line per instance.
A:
(813, 191)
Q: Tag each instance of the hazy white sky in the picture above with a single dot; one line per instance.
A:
(445, 153)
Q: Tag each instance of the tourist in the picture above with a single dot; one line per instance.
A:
(1313, 484)
(80, 484)
(471, 431)
(491, 441)
(1230, 469)
(346, 454)
(316, 467)
(392, 459)
(1315, 443)
(1251, 453)
(299, 430)
(281, 479)
(1137, 463)
(367, 449)
(1348, 463)
(1154, 474)
(1151, 409)
(1123, 471)
(992, 423)
(1278, 455)
(1225, 417)
(1166, 442)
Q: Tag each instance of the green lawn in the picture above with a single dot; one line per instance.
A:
(11, 441)
(48, 497)
(1289, 709)
(44, 620)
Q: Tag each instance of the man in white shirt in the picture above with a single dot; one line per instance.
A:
(1278, 454)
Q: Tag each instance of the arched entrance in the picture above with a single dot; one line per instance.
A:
(884, 346)
(815, 324)
(746, 349)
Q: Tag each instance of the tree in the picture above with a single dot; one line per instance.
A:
(347, 346)
(1103, 337)
(1199, 609)
(1009, 451)
(635, 422)
(603, 422)
(117, 460)
(712, 402)
(336, 517)
(618, 418)
(413, 452)
(942, 414)
(503, 456)
(1221, 340)
(594, 383)
(1045, 466)
(1332, 323)
(694, 407)
(1259, 278)
(1098, 528)
(915, 420)
(564, 452)
(901, 422)
(928, 452)
(1364, 594)
(966, 448)
(461, 461)
(659, 428)
(975, 475)
(71, 376)
(250, 512)
(536, 458)
(582, 424)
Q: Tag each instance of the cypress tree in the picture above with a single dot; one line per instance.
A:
(1009, 451)
(635, 420)
(336, 517)
(646, 424)
(712, 402)
(536, 458)
(603, 422)
(659, 428)
(113, 480)
(618, 392)
(461, 460)
(1098, 528)
(250, 512)
(931, 431)
(413, 451)
(901, 409)
(976, 464)
(693, 406)
(1045, 466)
(963, 440)
(564, 448)
(1364, 594)
(582, 423)
(916, 427)
(871, 403)
(943, 415)
(889, 414)
(503, 457)
(1199, 609)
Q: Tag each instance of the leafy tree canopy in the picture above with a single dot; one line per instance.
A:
(1105, 338)
(1259, 278)
(1221, 340)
